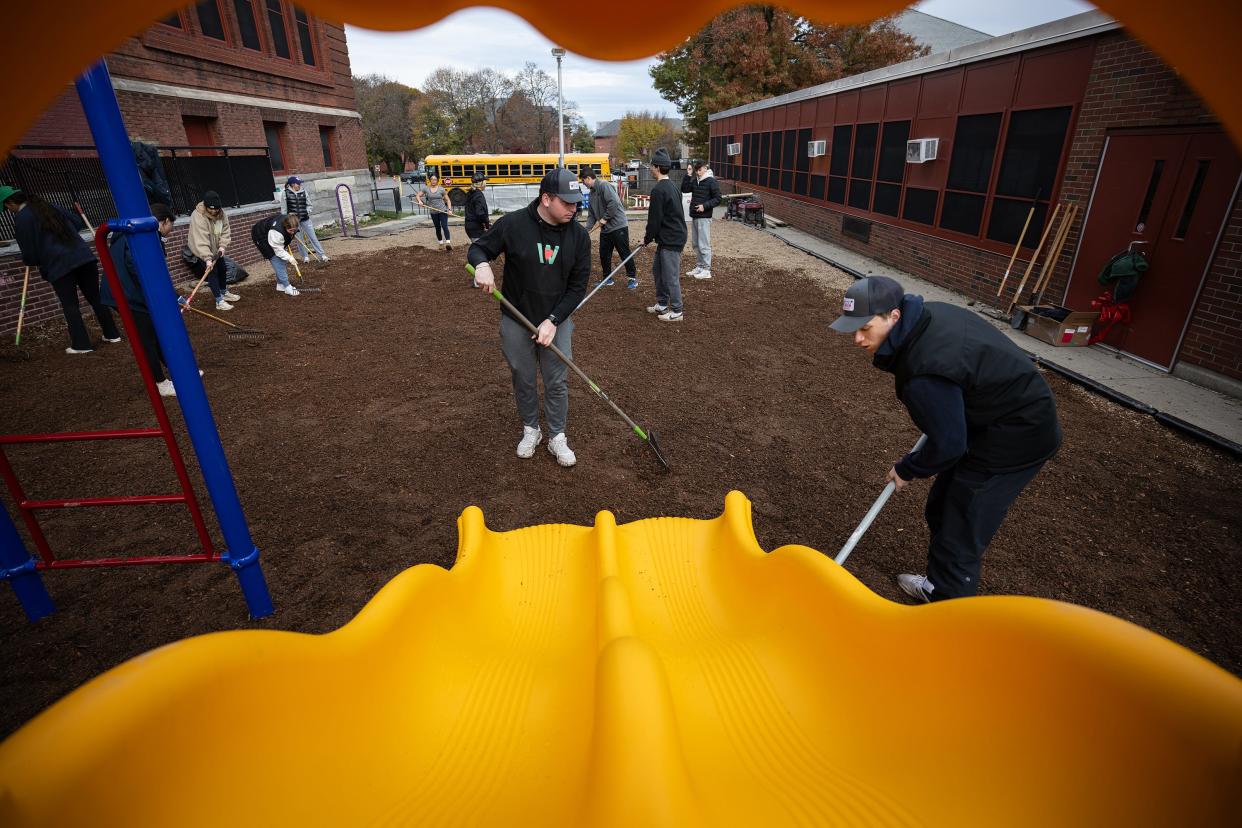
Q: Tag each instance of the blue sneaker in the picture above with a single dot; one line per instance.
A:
(608, 282)
(633, 283)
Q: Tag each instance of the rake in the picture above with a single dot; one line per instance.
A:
(304, 240)
(649, 436)
(302, 279)
(21, 314)
(235, 331)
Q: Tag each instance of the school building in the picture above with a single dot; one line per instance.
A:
(933, 165)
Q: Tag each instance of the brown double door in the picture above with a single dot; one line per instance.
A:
(1167, 194)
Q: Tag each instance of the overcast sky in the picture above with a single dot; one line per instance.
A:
(475, 38)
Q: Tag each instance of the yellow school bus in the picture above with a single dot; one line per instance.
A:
(455, 171)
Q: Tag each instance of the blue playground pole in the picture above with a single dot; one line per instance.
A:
(104, 116)
(18, 568)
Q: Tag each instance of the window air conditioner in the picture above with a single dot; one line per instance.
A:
(734, 149)
(814, 149)
(921, 149)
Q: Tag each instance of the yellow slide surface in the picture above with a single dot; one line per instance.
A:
(666, 672)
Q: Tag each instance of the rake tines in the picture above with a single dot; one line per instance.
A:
(245, 333)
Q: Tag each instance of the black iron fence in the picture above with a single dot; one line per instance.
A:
(69, 175)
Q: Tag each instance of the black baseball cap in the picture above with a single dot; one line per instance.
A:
(563, 184)
(866, 298)
(212, 199)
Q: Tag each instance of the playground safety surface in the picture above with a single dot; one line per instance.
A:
(379, 409)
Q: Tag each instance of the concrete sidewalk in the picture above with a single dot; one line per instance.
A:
(1156, 392)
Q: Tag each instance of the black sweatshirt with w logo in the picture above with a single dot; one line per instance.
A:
(546, 265)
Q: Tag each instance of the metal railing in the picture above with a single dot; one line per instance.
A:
(69, 175)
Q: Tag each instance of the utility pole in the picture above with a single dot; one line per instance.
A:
(559, 53)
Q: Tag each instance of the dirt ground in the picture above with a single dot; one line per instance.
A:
(380, 408)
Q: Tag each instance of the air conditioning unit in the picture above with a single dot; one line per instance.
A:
(814, 149)
(734, 149)
(921, 149)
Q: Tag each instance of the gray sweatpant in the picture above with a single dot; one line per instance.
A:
(526, 359)
(666, 273)
(701, 236)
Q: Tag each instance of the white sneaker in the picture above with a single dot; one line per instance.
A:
(671, 316)
(916, 586)
(222, 305)
(118, 339)
(703, 274)
(78, 351)
(288, 289)
(166, 388)
(325, 259)
(695, 272)
(306, 260)
(230, 296)
(531, 437)
(558, 446)
(657, 308)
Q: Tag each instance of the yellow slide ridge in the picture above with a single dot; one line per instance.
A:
(666, 672)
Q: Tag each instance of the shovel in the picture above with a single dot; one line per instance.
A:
(870, 517)
(648, 436)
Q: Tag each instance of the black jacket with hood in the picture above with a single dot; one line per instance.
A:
(477, 214)
(546, 265)
(666, 221)
(707, 193)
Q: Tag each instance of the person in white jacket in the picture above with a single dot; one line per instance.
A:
(272, 236)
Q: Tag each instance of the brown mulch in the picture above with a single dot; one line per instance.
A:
(381, 408)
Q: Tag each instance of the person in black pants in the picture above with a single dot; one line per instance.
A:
(48, 238)
(990, 420)
(606, 209)
(478, 216)
(127, 273)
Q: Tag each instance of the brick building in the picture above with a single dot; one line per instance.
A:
(245, 77)
(1074, 112)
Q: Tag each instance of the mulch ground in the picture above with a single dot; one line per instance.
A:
(381, 408)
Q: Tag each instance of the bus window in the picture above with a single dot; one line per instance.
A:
(526, 169)
(597, 169)
(491, 170)
(468, 170)
(502, 170)
(573, 168)
(432, 169)
(457, 170)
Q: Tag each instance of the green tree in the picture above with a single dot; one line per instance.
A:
(641, 133)
(755, 52)
(387, 125)
(582, 139)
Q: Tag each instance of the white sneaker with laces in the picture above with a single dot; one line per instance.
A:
(78, 350)
(695, 272)
(916, 586)
(166, 388)
(671, 316)
(559, 448)
(230, 296)
(703, 274)
(289, 290)
(118, 339)
(657, 308)
(325, 259)
(222, 305)
(531, 437)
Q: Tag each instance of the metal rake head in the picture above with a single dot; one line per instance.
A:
(247, 334)
(654, 442)
(304, 289)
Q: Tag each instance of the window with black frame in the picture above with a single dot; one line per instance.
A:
(246, 23)
(970, 171)
(1034, 142)
(803, 163)
(863, 168)
(210, 22)
(839, 164)
(765, 149)
(891, 168)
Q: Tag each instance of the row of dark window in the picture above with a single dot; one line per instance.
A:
(275, 135)
(867, 164)
(211, 24)
(505, 170)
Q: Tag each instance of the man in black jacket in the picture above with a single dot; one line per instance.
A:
(667, 228)
(547, 264)
(990, 420)
(478, 216)
(705, 195)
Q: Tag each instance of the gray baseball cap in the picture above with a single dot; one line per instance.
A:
(563, 184)
(867, 298)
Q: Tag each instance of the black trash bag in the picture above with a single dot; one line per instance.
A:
(151, 171)
(233, 272)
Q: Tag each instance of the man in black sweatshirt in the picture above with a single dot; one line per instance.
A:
(547, 264)
(666, 226)
(478, 215)
(990, 420)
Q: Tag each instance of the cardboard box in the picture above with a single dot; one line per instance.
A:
(1059, 326)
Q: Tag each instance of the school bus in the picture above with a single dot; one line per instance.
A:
(455, 171)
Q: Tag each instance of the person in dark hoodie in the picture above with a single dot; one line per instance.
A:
(990, 420)
(667, 228)
(478, 216)
(48, 238)
(606, 209)
(547, 264)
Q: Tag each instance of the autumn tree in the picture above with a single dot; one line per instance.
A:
(582, 138)
(641, 133)
(387, 120)
(757, 52)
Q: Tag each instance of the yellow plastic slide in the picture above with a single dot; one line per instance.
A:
(666, 672)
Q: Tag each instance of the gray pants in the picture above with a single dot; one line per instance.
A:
(666, 273)
(526, 359)
(701, 236)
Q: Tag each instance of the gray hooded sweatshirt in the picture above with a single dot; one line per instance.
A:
(606, 207)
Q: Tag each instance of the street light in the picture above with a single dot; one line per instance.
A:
(559, 53)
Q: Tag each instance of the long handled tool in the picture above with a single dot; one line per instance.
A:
(1021, 238)
(301, 279)
(22, 312)
(648, 436)
(604, 281)
(82, 213)
(1034, 257)
(206, 273)
(236, 331)
(304, 240)
(870, 517)
(1050, 266)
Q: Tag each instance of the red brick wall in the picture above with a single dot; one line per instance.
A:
(1214, 338)
(42, 306)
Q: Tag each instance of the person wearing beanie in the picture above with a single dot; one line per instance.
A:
(667, 228)
(990, 420)
(547, 264)
(298, 204)
(48, 237)
(206, 241)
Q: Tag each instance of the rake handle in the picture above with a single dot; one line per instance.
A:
(873, 512)
(212, 316)
(604, 281)
(22, 313)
